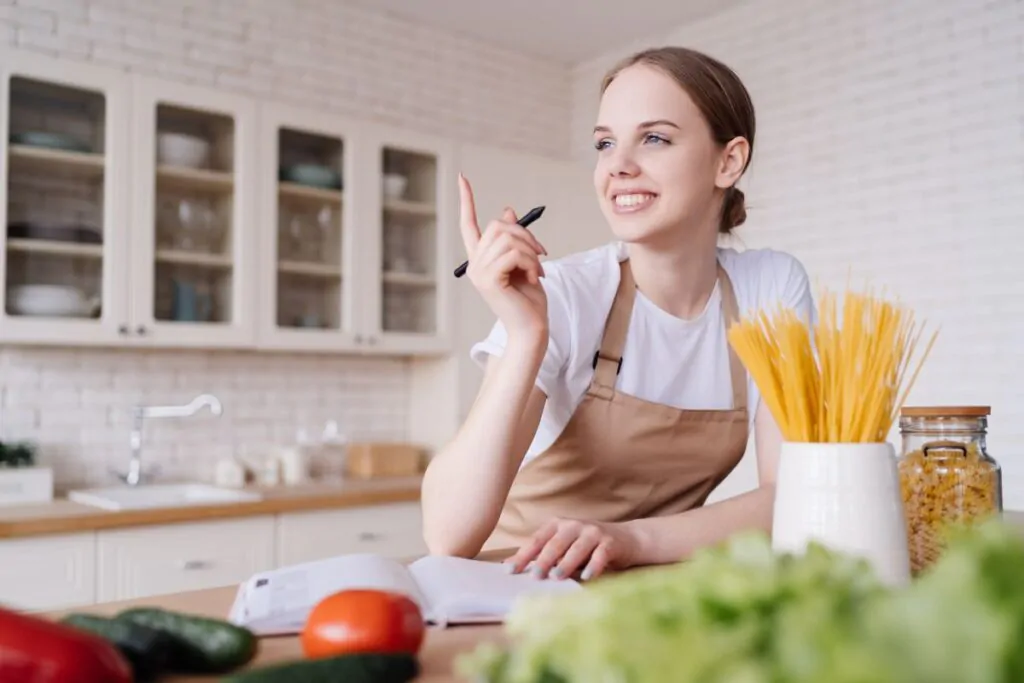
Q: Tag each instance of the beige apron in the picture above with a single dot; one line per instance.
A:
(621, 457)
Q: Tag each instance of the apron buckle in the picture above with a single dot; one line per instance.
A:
(597, 355)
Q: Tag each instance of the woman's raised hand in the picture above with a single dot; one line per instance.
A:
(505, 267)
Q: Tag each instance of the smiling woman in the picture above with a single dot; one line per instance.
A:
(612, 403)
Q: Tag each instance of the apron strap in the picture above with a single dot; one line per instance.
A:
(608, 359)
(732, 315)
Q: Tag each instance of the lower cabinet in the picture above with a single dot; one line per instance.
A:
(74, 570)
(133, 563)
(394, 530)
(48, 572)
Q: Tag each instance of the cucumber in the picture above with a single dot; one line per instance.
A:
(198, 644)
(146, 649)
(349, 668)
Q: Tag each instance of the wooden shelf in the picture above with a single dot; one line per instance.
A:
(297, 191)
(188, 258)
(195, 178)
(40, 158)
(409, 208)
(324, 270)
(409, 279)
(55, 248)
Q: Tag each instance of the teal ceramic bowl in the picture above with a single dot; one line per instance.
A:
(50, 141)
(312, 175)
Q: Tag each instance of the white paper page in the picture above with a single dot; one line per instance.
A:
(278, 601)
(464, 590)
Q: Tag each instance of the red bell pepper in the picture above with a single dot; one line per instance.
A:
(37, 650)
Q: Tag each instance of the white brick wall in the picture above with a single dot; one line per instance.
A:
(77, 404)
(318, 54)
(314, 53)
(890, 141)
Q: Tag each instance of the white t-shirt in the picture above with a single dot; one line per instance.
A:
(668, 360)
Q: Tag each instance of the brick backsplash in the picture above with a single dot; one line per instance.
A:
(317, 54)
(77, 404)
(890, 149)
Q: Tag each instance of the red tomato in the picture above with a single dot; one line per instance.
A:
(39, 650)
(363, 620)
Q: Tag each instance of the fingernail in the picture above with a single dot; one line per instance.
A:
(585, 576)
(510, 567)
(537, 572)
(557, 573)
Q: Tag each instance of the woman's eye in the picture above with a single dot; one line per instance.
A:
(601, 144)
(654, 137)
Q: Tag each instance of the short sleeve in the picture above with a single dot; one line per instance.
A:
(561, 320)
(796, 289)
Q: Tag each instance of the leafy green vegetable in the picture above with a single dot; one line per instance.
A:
(739, 613)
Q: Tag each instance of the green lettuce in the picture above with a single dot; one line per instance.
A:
(740, 613)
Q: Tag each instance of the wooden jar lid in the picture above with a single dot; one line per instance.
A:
(946, 411)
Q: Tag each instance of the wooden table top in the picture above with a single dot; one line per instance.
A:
(436, 657)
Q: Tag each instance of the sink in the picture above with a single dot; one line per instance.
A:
(159, 495)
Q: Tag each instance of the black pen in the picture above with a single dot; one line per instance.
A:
(531, 215)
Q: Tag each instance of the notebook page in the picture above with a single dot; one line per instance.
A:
(461, 590)
(278, 601)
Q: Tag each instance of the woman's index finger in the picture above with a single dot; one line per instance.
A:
(467, 216)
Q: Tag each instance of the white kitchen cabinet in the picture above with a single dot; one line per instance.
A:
(310, 230)
(152, 560)
(393, 530)
(64, 171)
(243, 238)
(354, 250)
(193, 230)
(48, 572)
(407, 269)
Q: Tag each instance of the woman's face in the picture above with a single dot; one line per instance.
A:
(657, 164)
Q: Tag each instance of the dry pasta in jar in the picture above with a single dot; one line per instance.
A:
(946, 475)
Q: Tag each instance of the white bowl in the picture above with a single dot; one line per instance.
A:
(49, 300)
(178, 149)
(394, 185)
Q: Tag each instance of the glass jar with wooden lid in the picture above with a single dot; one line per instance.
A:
(947, 477)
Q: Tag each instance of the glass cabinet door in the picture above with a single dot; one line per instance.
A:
(193, 222)
(309, 230)
(306, 218)
(414, 275)
(64, 162)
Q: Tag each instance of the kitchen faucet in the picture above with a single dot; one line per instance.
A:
(134, 474)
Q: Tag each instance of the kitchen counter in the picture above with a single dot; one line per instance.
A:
(62, 516)
(437, 655)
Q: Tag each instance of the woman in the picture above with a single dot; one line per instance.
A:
(612, 403)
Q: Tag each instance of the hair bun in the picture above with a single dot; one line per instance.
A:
(734, 211)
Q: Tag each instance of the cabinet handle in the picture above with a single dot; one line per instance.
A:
(369, 536)
(141, 330)
(122, 330)
(189, 565)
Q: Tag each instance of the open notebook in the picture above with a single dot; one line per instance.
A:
(448, 590)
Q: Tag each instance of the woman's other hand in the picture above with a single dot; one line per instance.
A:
(505, 267)
(565, 547)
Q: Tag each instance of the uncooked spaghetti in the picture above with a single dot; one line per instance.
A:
(833, 383)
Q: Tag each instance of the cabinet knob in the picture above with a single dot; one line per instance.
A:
(122, 330)
(373, 341)
(141, 330)
(369, 536)
(359, 339)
